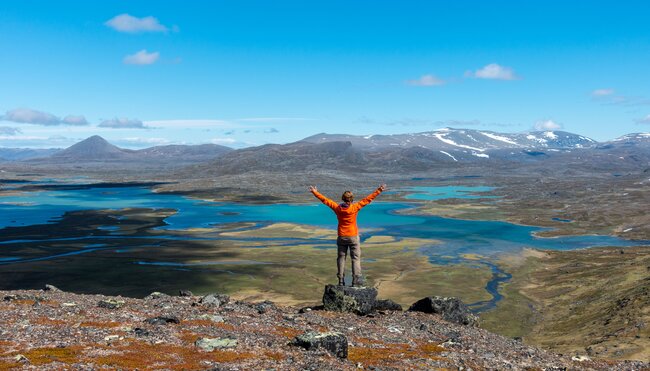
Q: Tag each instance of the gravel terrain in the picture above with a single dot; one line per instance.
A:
(51, 329)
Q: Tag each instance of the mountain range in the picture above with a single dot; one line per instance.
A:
(373, 153)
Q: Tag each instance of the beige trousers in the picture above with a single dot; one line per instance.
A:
(353, 244)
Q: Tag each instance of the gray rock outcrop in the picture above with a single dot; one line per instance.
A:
(451, 309)
(359, 300)
(334, 342)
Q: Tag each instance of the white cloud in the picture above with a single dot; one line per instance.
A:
(186, 124)
(78, 120)
(426, 80)
(21, 137)
(493, 71)
(122, 123)
(138, 140)
(6, 130)
(142, 58)
(547, 125)
(222, 141)
(602, 92)
(645, 120)
(31, 116)
(128, 23)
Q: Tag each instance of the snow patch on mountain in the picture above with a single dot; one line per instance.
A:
(499, 138)
(442, 138)
(446, 153)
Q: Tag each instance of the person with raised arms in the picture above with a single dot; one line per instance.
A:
(348, 231)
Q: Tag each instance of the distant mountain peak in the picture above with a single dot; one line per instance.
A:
(92, 148)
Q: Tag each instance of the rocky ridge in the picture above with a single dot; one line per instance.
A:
(52, 329)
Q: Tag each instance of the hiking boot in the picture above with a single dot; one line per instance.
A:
(357, 281)
(342, 281)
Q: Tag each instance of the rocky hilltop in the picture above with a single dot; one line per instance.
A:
(51, 329)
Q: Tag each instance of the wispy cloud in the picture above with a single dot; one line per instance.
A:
(130, 24)
(609, 97)
(547, 125)
(645, 120)
(78, 120)
(271, 131)
(142, 58)
(598, 93)
(7, 130)
(272, 119)
(493, 71)
(190, 123)
(426, 80)
(122, 123)
(36, 117)
(223, 141)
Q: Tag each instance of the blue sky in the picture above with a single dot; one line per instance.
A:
(243, 73)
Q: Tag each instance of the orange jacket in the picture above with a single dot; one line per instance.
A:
(347, 214)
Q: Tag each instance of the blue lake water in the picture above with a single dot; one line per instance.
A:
(457, 237)
(439, 193)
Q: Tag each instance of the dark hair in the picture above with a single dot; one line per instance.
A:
(347, 196)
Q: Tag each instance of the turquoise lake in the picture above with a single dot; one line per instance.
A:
(456, 237)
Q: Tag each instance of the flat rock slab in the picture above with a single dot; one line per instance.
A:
(209, 344)
(334, 342)
(451, 309)
(359, 300)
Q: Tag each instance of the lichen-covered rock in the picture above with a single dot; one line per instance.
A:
(156, 295)
(214, 300)
(264, 306)
(334, 342)
(386, 304)
(359, 300)
(451, 309)
(209, 344)
(110, 304)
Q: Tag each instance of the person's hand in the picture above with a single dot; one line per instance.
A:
(382, 187)
(313, 189)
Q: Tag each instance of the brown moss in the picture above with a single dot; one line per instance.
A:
(379, 353)
(9, 365)
(199, 322)
(96, 324)
(174, 357)
(276, 356)
(287, 332)
(23, 302)
(45, 321)
(43, 356)
(189, 337)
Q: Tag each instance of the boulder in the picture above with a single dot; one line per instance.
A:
(451, 309)
(110, 304)
(185, 293)
(386, 304)
(162, 320)
(334, 342)
(51, 288)
(209, 344)
(156, 295)
(359, 300)
(264, 306)
(214, 300)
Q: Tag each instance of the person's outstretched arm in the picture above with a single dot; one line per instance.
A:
(323, 199)
(371, 196)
